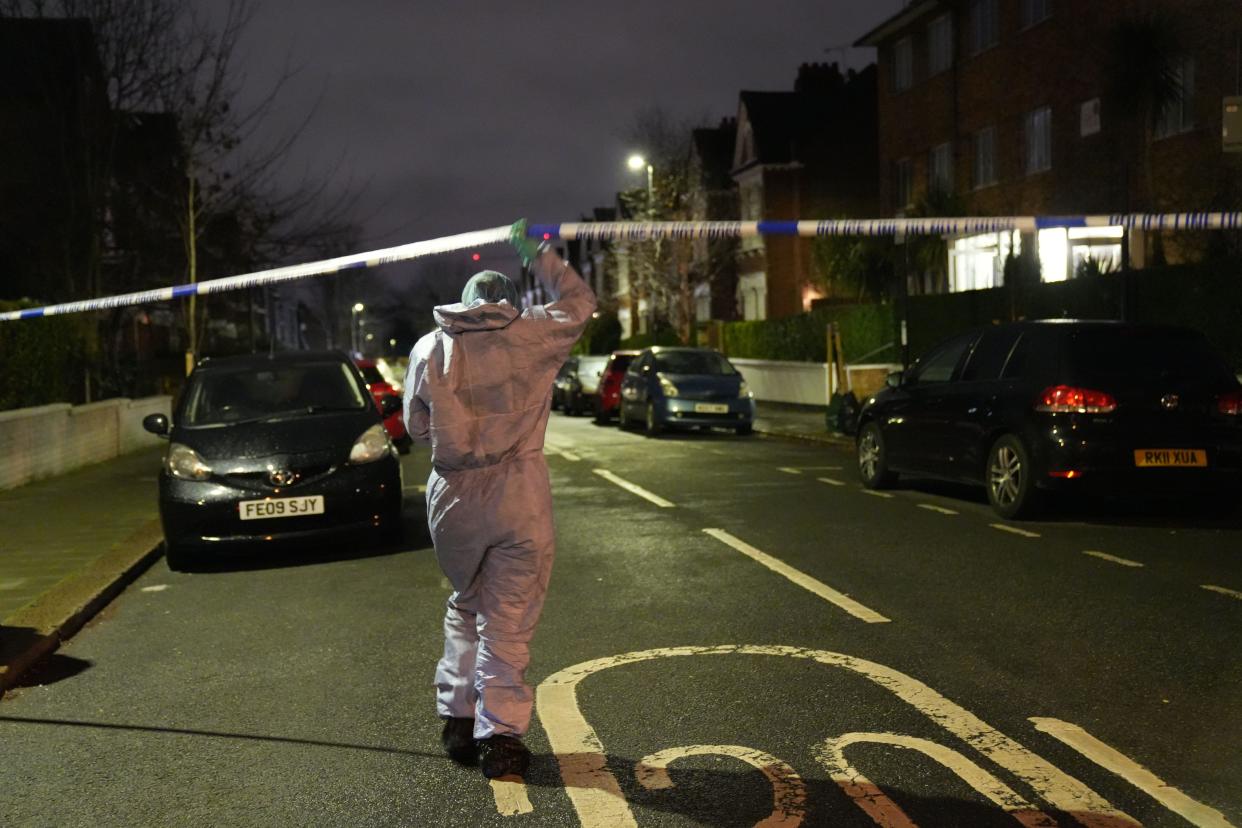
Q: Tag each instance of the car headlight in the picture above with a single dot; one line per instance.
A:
(668, 388)
(743, 390)
(371, 446)
(185, 463)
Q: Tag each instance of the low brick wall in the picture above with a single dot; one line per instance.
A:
(808, 383)
(54, 439)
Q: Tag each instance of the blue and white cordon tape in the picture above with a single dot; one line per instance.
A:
(644, 231)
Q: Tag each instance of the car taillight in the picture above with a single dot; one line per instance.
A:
(1066, 399)
(1230, 404)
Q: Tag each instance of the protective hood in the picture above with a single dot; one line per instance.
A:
(482, 316)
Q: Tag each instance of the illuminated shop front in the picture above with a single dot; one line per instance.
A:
(978, 262)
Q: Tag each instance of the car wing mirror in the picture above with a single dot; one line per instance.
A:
(896, 379)
(157, 424)
(390, 404)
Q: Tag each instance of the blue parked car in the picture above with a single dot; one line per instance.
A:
(668, 388)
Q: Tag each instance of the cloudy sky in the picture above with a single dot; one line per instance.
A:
(454, 116)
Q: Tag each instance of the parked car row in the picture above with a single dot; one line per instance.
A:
(658, 389)
(1033, 409)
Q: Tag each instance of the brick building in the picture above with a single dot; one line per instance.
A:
(711, 196)
(1021, 107)
(809, 152)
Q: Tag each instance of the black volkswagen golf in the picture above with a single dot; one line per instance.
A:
(1035, 407)
(274, 448)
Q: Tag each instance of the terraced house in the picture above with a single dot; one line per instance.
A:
(1050, 107)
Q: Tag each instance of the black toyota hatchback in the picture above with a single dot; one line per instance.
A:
(1034, 407)
(274, 448)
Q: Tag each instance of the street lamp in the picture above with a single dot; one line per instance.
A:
(636, 162)
(353, 324)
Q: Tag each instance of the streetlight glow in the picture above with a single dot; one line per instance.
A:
(359, 307)
(636, 162)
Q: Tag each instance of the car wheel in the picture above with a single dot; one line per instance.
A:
(653, 425)
(1011, 479)
(873, 458)
(745, 430)
(178, 557)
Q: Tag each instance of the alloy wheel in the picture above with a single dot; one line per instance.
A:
(868, 454)
(1005, 476)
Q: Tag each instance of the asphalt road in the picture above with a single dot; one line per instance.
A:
(822, 656)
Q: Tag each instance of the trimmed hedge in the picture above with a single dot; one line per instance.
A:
(802, 338)
(41, 359)
(663, 336)
(1207, 297)
(602, 335)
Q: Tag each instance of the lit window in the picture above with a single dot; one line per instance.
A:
(1037, 129)
(1053, 255)
(1178, 114)
(903, 178)
(940, 44)
(903, 65)
(985, 157)
(1035, 11)
(984, 25)
(940, 169)
(978, 262)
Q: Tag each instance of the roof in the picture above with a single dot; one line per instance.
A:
(714, 148)
(279, 358)
(774, 118)
(897, 22)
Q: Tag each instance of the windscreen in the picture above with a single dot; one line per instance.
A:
(1142, 355)
(218, 396)
(692, 362)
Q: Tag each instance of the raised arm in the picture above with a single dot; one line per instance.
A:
(573, 301)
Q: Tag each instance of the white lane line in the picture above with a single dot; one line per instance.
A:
(1196, 813)
(510, 795)
(1232, 593)
(874, 493)
(568, 455)
(633, 489)
(1013, 530)
(12, 583)
(155, 588)
(788, 470)
(1104, 556)
(800, 578)
(931, 507)
(830, 481)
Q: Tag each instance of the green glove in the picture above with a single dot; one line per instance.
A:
(526, 247)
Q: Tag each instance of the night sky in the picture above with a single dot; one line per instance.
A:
(460, 116)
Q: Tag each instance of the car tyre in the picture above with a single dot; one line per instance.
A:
(745, 430)
(601, 416)
(179, 558)
(873, 458)
(653, 427)
(1010, 479)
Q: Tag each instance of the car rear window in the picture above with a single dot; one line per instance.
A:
(619, 362)
(1137, 355)
(372, 375)
(222, 395)
(692, 362)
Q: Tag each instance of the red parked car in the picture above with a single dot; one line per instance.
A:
(609, 397)
(380, 388)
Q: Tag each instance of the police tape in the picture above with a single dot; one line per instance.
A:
(647, 231)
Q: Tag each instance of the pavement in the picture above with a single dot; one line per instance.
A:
(735, 631)
(73, 540)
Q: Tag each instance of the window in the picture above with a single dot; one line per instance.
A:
(903, 65)
(1035, 11)
(990, 355)
(940, 44)
(984, 25)
(1037, 131)
(903, 178)
(1178, 114)
(985, 157)
(939, 365)
(940, 169)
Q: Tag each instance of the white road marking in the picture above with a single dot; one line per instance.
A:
(788, 470)
(830, 481)
(1232, 593)
(1013, 530)
(597, 797)
(155, 588)
(874, 493)
(633, 489)
(1104, 556)
(800, 578)
(1196, 813)
(788, 789)
(510, 795)
(884, 811)
(932, 507)
(12, 583)
(568, 455)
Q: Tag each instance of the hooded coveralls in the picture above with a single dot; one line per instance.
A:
(478, 389)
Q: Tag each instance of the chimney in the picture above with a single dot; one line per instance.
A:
(819, 78)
